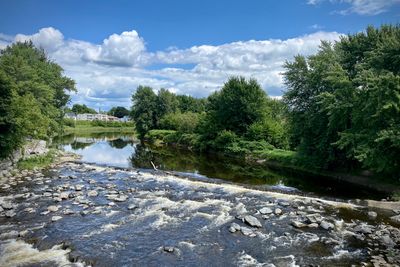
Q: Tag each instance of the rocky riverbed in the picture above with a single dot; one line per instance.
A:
(76, 214)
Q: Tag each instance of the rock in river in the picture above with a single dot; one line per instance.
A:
(234, 227)
(93, 193)
(252, 221)
(278, 211)
(326, 225)
(247, 232)
(395, 218)
(56, 218)
(52, 208)
(372, 215)
(265, 210)
(298, 224)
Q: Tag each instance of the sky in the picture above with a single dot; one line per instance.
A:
(189, 47)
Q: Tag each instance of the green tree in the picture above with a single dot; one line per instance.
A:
(34, 94)
(166, 103)
(190, 104)
(118, 112)
(144, 109)
(239, 104)
(81, 109)
(344, 102)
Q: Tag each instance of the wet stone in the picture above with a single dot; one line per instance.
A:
(278, 211)
(52, 208)
(93, 193)
(363, 228)
(234, 227)
(169, 249)
(326, 225)
(265, 210)
(56, 218)
(10, 213)
(132, 207)
(298, 224)
(252, 221)
(247, 232)
(396, 218)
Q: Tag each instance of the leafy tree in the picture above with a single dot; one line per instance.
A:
(144, 109)
(118, 112)
(183, 122)
(191, 104)
(166, 103)
(34, 94)
(344, 102)
(239, 104)
(81, 109)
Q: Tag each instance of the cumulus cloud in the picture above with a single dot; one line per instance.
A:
(361, 7)
(108, 73)
(49, 39)
(126, 49)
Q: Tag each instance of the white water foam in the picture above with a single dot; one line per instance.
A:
(17, 253)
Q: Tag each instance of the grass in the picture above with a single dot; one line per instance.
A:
(37, 161)
(98, 129)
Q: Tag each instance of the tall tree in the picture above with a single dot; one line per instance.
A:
(35, 94)
(239, 104)
(118, 112)
(144, 109)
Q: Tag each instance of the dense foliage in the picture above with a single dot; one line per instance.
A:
(238, 119)
(344, 102)
(33, 95)
(81, 109)
(118, 112)
(165, 109)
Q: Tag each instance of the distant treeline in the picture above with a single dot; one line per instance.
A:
(341, 109)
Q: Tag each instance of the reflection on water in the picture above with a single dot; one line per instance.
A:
(124, 151)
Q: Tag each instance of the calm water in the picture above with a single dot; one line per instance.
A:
(118, 150)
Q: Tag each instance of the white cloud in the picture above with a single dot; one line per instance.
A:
(361, 7)
(124, 49)
(49, 39)
(108, 73)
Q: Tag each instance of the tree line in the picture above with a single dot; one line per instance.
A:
(340, 109)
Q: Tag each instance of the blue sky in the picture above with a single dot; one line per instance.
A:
(189, 47)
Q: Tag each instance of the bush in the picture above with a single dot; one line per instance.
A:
(183, 122)
(273, 132)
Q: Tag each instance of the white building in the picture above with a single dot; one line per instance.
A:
(98, 116)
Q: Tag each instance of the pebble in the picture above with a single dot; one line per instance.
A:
(278, 211)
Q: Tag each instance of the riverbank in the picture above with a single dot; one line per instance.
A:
(90, 215)
(279, 160)
(98, 129)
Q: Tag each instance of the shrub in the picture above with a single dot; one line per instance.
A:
(183, 122)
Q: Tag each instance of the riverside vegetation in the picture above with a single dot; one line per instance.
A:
(340, 111)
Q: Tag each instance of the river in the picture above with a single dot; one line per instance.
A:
(110, 208)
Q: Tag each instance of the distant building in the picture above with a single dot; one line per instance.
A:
(70, 115)
(125, 119)
(93, 117)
